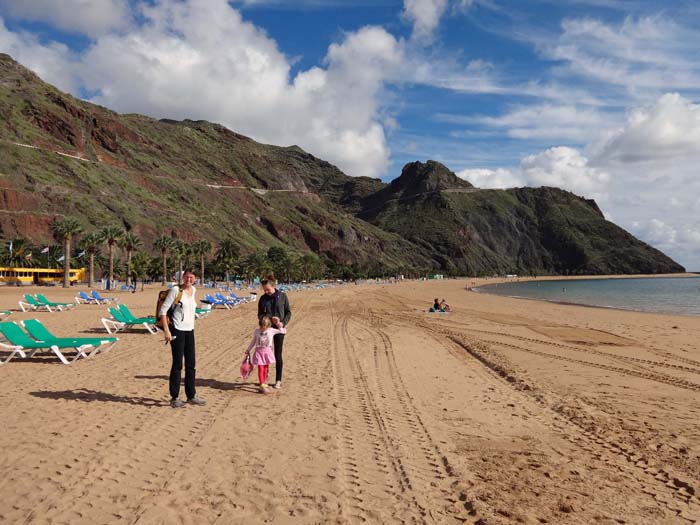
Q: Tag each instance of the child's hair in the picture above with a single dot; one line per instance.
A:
(270, 279)
(436, 300)
(265, 322)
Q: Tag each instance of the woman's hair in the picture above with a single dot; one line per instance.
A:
(270, 279)
(265, 322)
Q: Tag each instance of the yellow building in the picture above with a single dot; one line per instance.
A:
(28, 276)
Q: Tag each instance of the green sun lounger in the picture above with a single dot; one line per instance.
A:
(38, 331)
(121, 321)
(20, 342)
(30, 304)
(44, 300)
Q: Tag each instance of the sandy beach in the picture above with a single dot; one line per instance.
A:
(503, 411)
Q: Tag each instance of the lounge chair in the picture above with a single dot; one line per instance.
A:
(200, 313)
(20, 342)
(30, 304)
(41, 333)
(228, 300)
(239, 299)
(4, 314)
(127, 313)
(84, 298)
(104, 300)
(120, 321)
(208, 299)
(59, 306)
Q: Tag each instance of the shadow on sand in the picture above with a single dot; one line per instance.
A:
(213, 383)
(85, 395)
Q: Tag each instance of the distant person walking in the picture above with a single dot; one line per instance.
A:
(178, 327)
(275, 305)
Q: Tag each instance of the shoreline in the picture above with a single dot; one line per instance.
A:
(481, 290)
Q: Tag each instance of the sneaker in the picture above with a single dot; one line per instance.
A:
(278, 385)
(196, 401)
(177, 403)
(263, 389)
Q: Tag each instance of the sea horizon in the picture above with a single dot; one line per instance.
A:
(671, 295)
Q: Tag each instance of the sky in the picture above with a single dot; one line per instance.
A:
(598, 97)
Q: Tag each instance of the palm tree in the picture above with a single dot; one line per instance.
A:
(200, 249)
(226, 256)
(91, 243)
(111, 235)
(65, 230)
(179, 251)
(141, 267)
(129, 242)
(164, 243)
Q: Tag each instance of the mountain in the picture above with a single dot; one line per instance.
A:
(191, 179)
(194, 179)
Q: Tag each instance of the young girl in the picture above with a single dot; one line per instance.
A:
(264, 356)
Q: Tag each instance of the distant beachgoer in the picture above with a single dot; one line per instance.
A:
(262, 341)
(180, 335)
(436, 306)
(275, 305)
(444, 306)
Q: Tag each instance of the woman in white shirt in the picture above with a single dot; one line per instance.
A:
(180, 335)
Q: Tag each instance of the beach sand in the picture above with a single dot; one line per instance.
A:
(503, 411)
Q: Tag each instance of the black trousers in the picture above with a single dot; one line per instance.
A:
(182, 346)
(278, 341)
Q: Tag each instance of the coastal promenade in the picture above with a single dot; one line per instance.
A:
(503, 411)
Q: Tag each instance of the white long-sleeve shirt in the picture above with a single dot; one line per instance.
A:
(183, 315)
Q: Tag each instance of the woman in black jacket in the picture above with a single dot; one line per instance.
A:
(275, 305)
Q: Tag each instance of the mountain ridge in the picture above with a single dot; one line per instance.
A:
(134, 170)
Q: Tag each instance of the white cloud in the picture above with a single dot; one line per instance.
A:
(566, 168)
(90, 17)
(542, 121)
(668, 129)
(561, 167)
(642, 55)
(52, 61)
(492, 178)
(199, 59)
(425, 16)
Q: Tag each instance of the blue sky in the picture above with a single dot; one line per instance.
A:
(598, 97)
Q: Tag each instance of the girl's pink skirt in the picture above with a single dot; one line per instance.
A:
(263, 356)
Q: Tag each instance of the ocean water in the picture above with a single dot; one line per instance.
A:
(675, 295)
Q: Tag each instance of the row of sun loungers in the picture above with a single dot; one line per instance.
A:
(223, 301)
(36, 338)
(38, 302)
(122, 319)
(95, 298)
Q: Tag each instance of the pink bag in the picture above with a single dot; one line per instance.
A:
(246, 367)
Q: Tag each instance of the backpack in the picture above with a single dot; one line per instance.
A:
(161, 299)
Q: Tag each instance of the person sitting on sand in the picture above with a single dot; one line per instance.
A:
(436, 306)
(264, 356)
(444, 307)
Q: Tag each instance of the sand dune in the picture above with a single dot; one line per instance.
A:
(504, 411)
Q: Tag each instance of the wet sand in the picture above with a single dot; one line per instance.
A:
(503, 411)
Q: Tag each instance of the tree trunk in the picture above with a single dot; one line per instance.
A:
(111, 265)
(91, 273)
(202, 267)
(66, 263)
(165, 267)
(128, 269)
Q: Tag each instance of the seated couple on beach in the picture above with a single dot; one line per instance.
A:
(440, 306)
